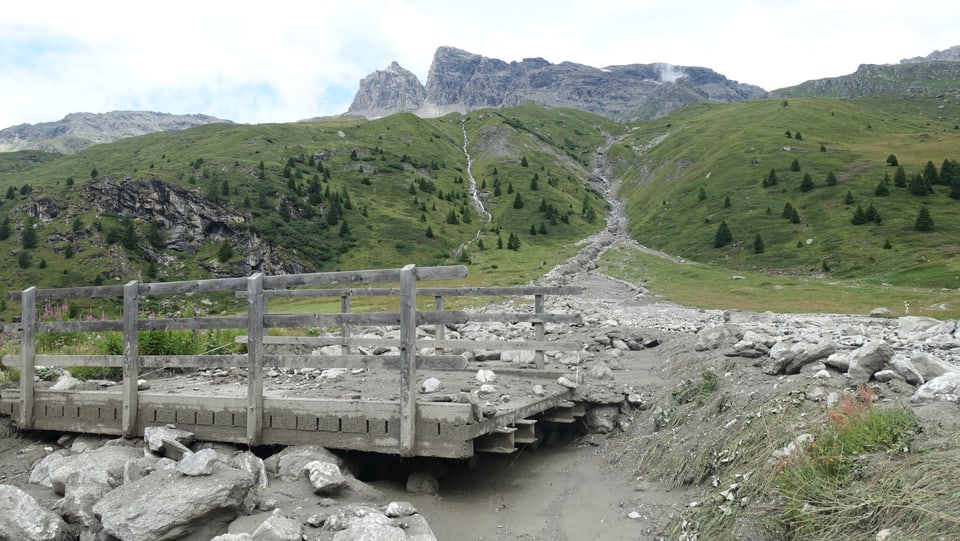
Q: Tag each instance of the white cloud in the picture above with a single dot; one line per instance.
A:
(284, 61)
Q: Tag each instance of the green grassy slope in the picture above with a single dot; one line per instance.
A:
(727, 150)
(389, 180)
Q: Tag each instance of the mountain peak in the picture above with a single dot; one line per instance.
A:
(462, 81)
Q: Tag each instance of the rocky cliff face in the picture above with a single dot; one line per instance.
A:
(948, 55)
(394, 89)
(936, 78)
(460, 81)
(77, 131)
(186, 219)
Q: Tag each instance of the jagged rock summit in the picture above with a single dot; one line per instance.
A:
(77, 131)
(459, 81)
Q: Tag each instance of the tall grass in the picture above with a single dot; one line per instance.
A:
(829, 491)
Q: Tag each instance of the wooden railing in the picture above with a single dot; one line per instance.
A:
(258, 289)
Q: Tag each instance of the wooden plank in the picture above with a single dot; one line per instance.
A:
(28, 312)
(131, 363)
(193, 286)
(521, 317)
(108, 325)
(450, 272)
(256, 307)
(538, 327)
(408, 361)
(425, 292)
(345, 327)
(520, 412)
(146, 361)
(194, 323)
(499, 291)
(370, 362)
(439, 331)
(449, 317)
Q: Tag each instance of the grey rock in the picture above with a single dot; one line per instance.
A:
(199, 463)
(945, 387)
(168, 441)
(166, 505)
(431, 385)
(369, 530)
(906, 369)
(40, 475)
(868, 359)
(422, 482)
(931, 366)
(252, 464)
(350, 515)
(400, 509)
(278, 528)
(805, 353)
(288, 464)
(600, 371)
(602, 419)
(23, 519)
(325, 477)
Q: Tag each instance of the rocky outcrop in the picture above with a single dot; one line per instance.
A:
(394, 89)
(186, 220)
(77, 131)
(460, 81)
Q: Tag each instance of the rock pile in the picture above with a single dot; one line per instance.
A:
(167, 487)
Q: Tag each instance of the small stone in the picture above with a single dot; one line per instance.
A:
(486, 376)
(565, 382)
(538, 390)
(199, 463)
(324, 476)
(633, 515)
(142, 385)
(400, 509)
(431, 385)
(486, 388)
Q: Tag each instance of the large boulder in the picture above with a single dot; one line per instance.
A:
(867, 360)
(288, 464)
(167, 505)
(23, 519)
(945, 387)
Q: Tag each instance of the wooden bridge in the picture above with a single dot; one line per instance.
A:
(453, 425)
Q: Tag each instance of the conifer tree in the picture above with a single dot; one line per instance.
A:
(806, 184)
(723, 236)
(918, 185)
(924, 221)
(758, 244)
(900, 177)
(859, 216)
(883, 187)
(831, 179)
(930, 173)
(518, 201)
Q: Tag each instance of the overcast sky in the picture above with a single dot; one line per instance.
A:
(282, 61)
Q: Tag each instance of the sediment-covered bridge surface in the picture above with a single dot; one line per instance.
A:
(401, 382)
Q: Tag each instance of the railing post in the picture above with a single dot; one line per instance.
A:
(408, 359)
(131, 359)
(538, 326)
(256, 306)
(345, 327)
(28, 314)
(440, 330)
